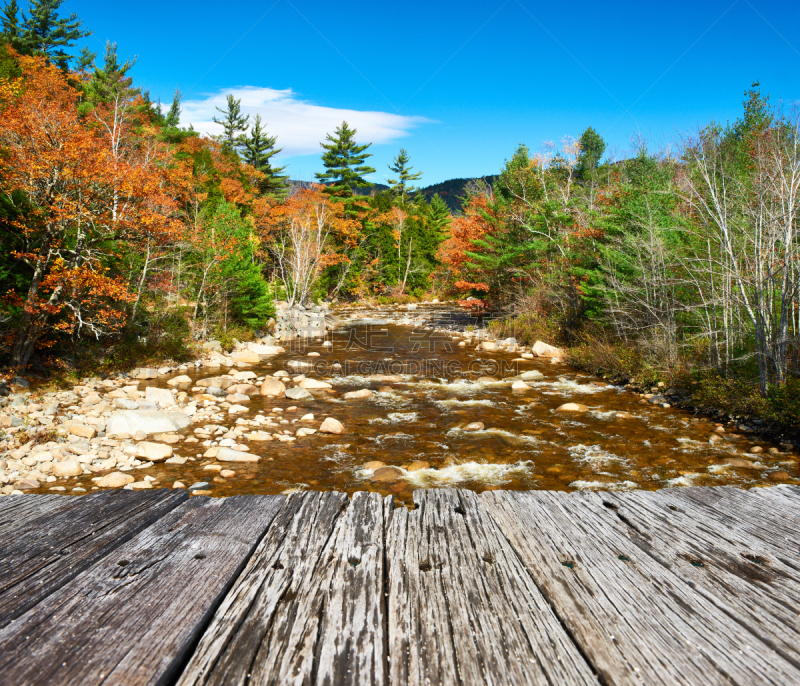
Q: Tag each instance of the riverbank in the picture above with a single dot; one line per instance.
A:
(395, 398)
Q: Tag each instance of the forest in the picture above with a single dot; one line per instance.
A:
(127, 236)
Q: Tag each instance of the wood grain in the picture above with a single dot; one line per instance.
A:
(635, 619)
(133, 617)
(462, 608)
(46, 552)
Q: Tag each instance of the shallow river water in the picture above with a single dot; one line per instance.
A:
(431, 390)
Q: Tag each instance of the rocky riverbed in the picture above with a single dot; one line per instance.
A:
(394, 399)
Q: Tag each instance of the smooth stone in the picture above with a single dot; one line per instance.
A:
(738, 462)
(115, 480)
(374, 464)
(531, 375)
(357, 395)
(273, 387)
(520, 386)
(572, 407)
(83, 430)
(314, 384)
(67, 468)
(141, 485)
(417, 465)
(198, 485)
(298, 394)
(147, 421)
(262, 349)
(542, 349)
(154, 452)
(331, 426)
(779, 476)
(474, 426)
(230, 455)
(179, 380)
(161, 396)
(386, 474)
(305, 431)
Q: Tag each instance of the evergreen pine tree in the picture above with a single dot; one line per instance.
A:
(85, 62)
(592, 148)
(344, 163)
(233, 124)
(259, 148)
(173, 118)
(43, 32)
(13, 30)
(399, 166)
(110, 82)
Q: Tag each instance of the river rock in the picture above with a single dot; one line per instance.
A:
(126, 404)
(417, 465)
(179, 380)
(273, 387)
(243, 389)
(572, 407)
(298, 394)
(153, 452)
(246, 357)
(357, 395)
(115, 480)
(67, 468)
(488, 345)
(542, 349)
(779, 476)
(147, 421)
(261, 349)
(83, 430)
(314, 384)
(230, 455)
(144, 373)
(738, 463)
(386, 474)
(520, 386)
(27, 484)
(163, 397)
(305, 431)
(331, 426)
(531, 375)
(474, 426)
(374, 464)
(222, 382)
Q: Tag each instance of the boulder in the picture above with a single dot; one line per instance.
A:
(357, 395)
(331, 426)
(153, 452)
(115, 480)
(147, 421)
(126, 404)
(298, 394)
(67, 468)
(314, 384)
(572, 407)
(163, 397)
(488, 345)
(417, 465)
(541, 349)
(273, 387)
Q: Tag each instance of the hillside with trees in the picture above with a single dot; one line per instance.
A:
(126, 235)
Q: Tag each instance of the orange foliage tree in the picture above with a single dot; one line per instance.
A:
(80, 190)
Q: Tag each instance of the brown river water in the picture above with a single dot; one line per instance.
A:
(420, 415)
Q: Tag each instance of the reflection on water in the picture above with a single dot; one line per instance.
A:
(418, 420)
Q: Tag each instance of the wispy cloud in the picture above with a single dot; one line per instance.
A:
(299, 125)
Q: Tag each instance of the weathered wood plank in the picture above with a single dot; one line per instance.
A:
(309, 607)
(16, 510)
(635, 620)
(462, 609)
(775, 522)
(722, 563)
(134, 616)
(48, 551)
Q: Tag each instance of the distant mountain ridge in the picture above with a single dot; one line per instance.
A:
(451, 191)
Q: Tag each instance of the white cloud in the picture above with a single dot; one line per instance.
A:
(299, 125)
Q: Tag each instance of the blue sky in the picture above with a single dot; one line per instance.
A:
(458, 84)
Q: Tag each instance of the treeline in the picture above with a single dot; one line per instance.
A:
(123, 228)
(681, 265)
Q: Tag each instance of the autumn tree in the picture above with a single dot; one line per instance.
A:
(80, 194)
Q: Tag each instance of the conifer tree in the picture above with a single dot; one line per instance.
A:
(400, 186)
(259, 148)
(233, 124)
(110, 82)
(592, 147)
(43, 31)
(173, 118)
(344, 163)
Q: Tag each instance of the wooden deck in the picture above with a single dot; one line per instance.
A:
(679, 586)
